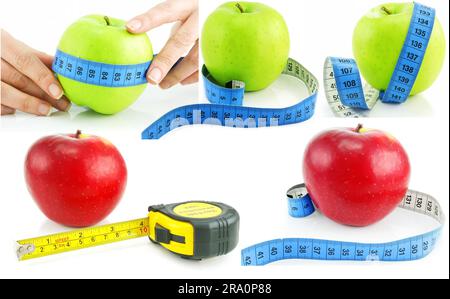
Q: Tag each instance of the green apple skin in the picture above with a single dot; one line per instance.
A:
(93, 39)
(378, 40)
(250, 46)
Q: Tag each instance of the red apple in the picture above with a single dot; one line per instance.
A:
(356, 176)
(75, 179)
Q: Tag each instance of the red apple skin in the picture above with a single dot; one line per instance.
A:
(356, 177)
(76, 182)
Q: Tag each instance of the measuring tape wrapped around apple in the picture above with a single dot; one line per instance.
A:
(95, 71)
(399, 49)
(245, 46)
(334, 163)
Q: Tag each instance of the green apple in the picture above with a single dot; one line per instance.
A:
(103, 39)
(378, 40)
(245, 41)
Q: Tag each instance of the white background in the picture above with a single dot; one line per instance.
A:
(248, 169)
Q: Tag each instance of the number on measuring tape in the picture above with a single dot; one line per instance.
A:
(226, 107)
(90, 237)
(300, 205)
(101, 74)
(344, 90)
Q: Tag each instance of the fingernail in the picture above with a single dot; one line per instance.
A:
(64, 104)
(165, 84)
(134, 25)
(69, 105)
(155, 75)
(55, 91)
(44, 109)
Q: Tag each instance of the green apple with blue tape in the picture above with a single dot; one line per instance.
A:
(103, 39)
(245, 41)
(378, 40)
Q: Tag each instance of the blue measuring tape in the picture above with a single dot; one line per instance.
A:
(344, 90)
(300, 205)
(226, 107)
(97, 73)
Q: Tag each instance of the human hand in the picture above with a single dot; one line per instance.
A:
(184, 39)
(27, 81)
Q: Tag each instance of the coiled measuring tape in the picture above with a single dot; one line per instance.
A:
(343, 86)
(301, 205)
(193, 230)
(226, 108)
(97, 73)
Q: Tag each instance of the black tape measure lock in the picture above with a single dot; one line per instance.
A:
(193, 230)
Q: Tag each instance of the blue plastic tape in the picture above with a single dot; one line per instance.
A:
(226, 107)
(226, 103)
(96, 73)
(345, 92)
(301, 205)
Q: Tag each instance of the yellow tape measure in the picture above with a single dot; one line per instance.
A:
(193, 230)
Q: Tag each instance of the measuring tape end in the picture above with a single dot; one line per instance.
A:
(24, 249)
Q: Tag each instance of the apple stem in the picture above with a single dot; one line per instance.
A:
(387, 11)
(239, 6)
(78, 134)
(107, 20)
(358, 128)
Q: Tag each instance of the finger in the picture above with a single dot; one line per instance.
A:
(184, 69)
(177, 45)
(23, 59)
(191, 79)
(175, 27)
(11, 76)
(45, 58)
(16, 99)
(6, 110)
(165, 12)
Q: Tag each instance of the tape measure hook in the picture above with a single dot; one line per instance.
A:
(297, 192)
(25, 249)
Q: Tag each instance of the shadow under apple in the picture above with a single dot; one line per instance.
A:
(415, 106)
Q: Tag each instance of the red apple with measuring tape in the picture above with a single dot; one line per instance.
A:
(356, 176)
(76, 179)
